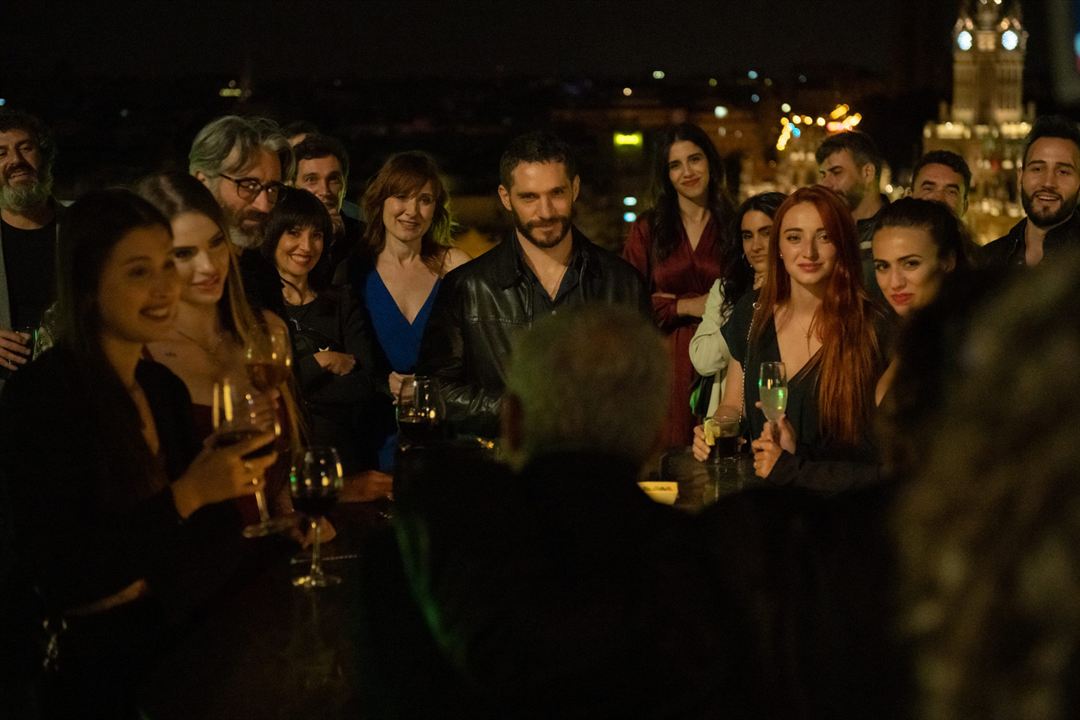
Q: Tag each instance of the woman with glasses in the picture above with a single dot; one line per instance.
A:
(118, 511)
(331, 348)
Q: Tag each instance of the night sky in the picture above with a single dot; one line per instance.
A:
(604, 38)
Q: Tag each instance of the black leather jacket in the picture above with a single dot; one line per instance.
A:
(1009, 249)
(479, 307)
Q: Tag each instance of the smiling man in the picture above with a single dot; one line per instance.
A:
(944, 177)
(28, 221)
(546, 265)
(1049, 182)
(322, 168)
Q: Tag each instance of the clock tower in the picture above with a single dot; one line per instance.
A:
(989, 43)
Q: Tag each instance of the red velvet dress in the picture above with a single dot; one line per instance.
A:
(684, 273)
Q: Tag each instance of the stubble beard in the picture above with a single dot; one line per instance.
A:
(23, 197)
(1047, 220)
(526, 231)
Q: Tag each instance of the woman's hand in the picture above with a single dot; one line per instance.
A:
(336, 362)
(766, 451)
(218, 474)
(397, 380)
(700, 448)
(692, 306)
(783, 430)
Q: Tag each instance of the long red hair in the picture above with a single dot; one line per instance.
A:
(849, 357)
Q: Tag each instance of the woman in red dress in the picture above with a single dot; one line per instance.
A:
(680, 248)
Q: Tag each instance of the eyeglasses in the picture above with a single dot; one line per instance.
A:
(250, 188)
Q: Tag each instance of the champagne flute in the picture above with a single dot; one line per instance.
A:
(238, 414)
(315, 481)
(268, 357)
(772, 389)
(421, 414)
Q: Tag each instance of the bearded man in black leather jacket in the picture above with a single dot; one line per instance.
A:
(546, 266)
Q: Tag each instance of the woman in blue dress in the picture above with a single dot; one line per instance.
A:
(405, 253)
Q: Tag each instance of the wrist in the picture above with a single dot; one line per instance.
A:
(185, 498)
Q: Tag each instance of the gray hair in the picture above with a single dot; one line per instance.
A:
(593, 378)
(229, 143)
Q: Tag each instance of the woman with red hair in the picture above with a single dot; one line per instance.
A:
(813, 315)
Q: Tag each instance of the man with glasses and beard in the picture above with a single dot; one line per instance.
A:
(545, 266)
(28, 221)
(1049, 181)
(245, 162)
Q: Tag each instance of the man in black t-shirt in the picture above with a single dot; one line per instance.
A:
(28, 220)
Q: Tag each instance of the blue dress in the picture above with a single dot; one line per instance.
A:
(398, 338)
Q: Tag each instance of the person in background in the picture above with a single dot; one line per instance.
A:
(322, 168)
(944, 177)
(118, 512)
(331, 348)
(405, 254)
(679, 248)
(752, 224)
(29, 217)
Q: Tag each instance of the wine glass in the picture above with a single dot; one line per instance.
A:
(772, 389)
(268, 357)
(421, 413)
(238, 414)
(315, 481)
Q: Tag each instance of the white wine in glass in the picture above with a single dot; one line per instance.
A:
(772, 389)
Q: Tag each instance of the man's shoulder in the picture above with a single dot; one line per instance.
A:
(483, 269)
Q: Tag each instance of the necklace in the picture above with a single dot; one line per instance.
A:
(210, 351)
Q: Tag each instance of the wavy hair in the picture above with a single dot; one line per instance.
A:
(404, 174)
(849, 358)
(665, 223)
(738, 275)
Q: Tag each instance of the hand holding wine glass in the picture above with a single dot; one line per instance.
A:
(268, 357)
(772, 390)
(315, 482)
(421, 414)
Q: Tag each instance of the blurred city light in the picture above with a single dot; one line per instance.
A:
(839, 111)
(658, 74)
(629, 139)
(629, 216)
(755, 98)
(713, 82)
(627, 92)
(3, 102)
(786, 107)
(752, 75)
(629, 201)
(720, 111)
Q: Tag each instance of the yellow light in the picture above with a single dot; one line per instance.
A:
(230, 92)
(784, 121)
(797, 120)
(627, 91)
(839, 111)
(629, 139)
(834, 126)
(808, 120)
(854, 120)
(821, 122)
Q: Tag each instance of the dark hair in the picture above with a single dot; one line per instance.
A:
(948, 159)
(404, 174)
(175, 193)
(862, 147)
(535, 147)
(92, 227)
(945, 229)
(316, 146)
(738, 275)
(300, 127)
(11, 119)
(1052, 126)
(849, 357)
(300, 209)
(665, 223)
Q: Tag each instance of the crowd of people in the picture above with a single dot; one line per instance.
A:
(889, 532)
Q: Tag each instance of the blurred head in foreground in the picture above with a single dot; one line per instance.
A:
(592, 379)
(989, 534)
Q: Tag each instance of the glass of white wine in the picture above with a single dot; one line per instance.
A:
(772, 389)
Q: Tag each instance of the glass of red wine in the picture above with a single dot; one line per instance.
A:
(315, 481)
(421, 414)
(240, 413)
(268, 357)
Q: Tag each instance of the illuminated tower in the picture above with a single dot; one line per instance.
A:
(989, 43)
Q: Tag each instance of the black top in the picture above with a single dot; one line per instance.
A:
(480, 306)
(1009, 249)
(544, 304)
(81, 543)
(335, 403)
(819, 463)
(30, 263)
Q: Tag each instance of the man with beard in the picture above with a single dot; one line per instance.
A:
(28, 222)
(1049, 186)
(245, 161)
(547, 265)
(849, 164)
(322, 168)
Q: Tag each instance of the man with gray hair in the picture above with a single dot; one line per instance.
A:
(28, 226)
(245, 161)
(556, 585)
